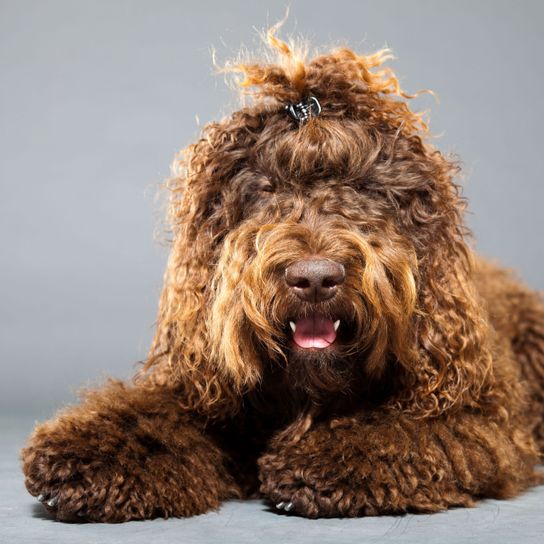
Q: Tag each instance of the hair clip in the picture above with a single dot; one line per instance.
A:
(303, 110)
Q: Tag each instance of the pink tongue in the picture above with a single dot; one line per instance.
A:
(314, 331)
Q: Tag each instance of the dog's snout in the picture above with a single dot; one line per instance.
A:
(315, 280)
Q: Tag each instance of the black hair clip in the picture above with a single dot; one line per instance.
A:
(303, 110)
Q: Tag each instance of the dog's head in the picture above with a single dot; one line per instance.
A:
(329, 245)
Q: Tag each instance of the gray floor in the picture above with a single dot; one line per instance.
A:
(22, 520)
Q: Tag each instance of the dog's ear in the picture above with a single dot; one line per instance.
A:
(451, 365)
(180, 350)
(453, 359)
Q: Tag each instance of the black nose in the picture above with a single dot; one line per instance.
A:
(315, 280)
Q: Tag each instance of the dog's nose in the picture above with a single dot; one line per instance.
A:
(315, 280)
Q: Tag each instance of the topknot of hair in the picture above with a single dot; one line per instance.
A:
(345, 83)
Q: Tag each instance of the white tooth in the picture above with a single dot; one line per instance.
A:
(293, 326)
(336, 325)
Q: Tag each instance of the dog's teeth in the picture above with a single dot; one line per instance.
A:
(293, 326)
(336, 325)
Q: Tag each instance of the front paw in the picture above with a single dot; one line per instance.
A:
(73, 486)
(307, 489)
(349, 467)
(300, 498)
(333, 469)
(65, 500)
(114, 470)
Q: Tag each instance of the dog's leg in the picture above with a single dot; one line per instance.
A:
(517, 314)
(528, 347)
(355, 466)
(126, 454)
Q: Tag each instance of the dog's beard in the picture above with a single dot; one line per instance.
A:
(306, 379)
(320, 373)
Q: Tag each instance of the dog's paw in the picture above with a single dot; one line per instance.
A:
(297, 489)
(301, 502)
(310, 477)
(73, 478)
(304, 500)
(130, 477)
(51, 503)
(69, 488)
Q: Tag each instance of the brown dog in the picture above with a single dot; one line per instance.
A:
(326, 338)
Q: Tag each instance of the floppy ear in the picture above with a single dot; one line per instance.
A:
(452, 361)
(453, 358)
(179, 353)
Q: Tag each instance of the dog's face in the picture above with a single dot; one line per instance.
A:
(317, 271)
(330, 250)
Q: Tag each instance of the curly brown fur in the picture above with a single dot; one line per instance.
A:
(431, 394)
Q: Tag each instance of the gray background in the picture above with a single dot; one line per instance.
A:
(97, 96)
(95, 99)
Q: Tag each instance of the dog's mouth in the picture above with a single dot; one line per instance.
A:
(314, 331)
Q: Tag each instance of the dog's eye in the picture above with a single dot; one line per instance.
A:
(265, 186)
